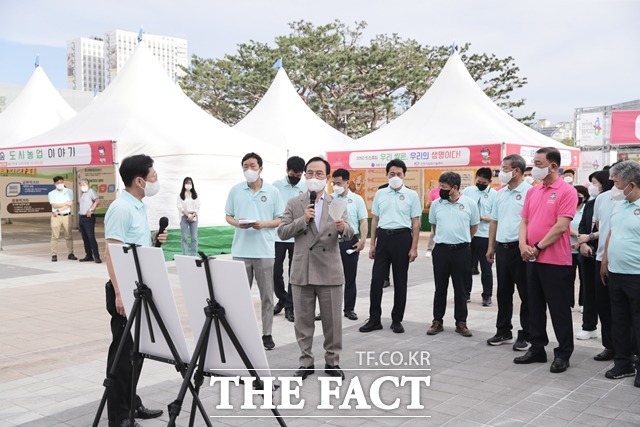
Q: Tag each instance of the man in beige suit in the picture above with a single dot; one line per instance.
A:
(316, 271)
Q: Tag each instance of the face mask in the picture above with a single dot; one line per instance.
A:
(580, 201)
(188, 187)
(529, 180)
(444, 194)
(293, 180)
(568, 179)
(481, 187)
(251, 176)
(617, 194)
(593, 190)
(505, 177)
(338, 189)
(539, 173)
(59, 187)
(316, 185)
(151, 189)
(84, 188)
(395, 182)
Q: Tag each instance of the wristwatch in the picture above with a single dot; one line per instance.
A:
(537, 247)
(591, 236)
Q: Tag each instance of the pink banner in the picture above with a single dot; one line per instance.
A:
(94, 153)
(625, 127)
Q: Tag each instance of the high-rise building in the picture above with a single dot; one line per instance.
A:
(93, 63)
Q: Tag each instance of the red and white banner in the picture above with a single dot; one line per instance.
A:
(481, 155)
(570, 158)
(625, 127)
(95, 153)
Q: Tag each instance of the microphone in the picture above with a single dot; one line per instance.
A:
(312, 196)
(162, 226)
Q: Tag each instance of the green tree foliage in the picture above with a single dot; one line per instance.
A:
(352, 85)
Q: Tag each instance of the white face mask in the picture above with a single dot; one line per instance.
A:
(188, 187)
(568, 179)
(84, 188)
(529, 180)
(539, 173)
(151, 188)
(316, 185)
(593, 190)
(251, 176)
(617, 194)
(338, 189)
(505, 177)
(395, 182)
(59, 187)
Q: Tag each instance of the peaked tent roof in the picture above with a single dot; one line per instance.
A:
(283, 119)
(147, 113)
(37, 108)
(454, 112)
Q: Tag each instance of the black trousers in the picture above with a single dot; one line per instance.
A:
(511, 272)
(88, 231)
(283, 294)
(547, 285)
(350, 267)
(571, 289)
(479, 246)
(603, 305)
(391, 250)
(119, 395)
(589, 307)
(624, 290)
(454, 263)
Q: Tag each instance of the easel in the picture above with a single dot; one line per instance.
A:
(214, 313)
(143, 298)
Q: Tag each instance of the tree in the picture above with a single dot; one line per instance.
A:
(352, 85)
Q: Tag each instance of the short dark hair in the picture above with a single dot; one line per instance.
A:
(582, 191)
(397, 163)
(528, 168)
(517, 162)
(341, 173)
(251, 155)
(569, 171)
(603, 178)
(319, 159)
(133, 167)
(453, 179)
(296, 164)
(484, 173)
(552, 154)
(58, 178)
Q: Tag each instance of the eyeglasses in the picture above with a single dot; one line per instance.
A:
(315, 174)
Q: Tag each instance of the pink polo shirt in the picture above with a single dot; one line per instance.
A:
(542, 208)
(434, 194)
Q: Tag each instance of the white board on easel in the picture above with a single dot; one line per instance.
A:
(155, 276)
(231, 291)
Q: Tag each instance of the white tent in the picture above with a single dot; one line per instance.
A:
(282, 118)
(37, 108)
(455, 112)
(146, 113)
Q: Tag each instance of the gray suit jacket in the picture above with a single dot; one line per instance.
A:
(316, 255)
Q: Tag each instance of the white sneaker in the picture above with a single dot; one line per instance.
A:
(585, 335)
(428, 254)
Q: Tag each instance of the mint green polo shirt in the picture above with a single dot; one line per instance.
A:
(288, 191)
(63, 196)
(506, 210)
(454, 220)
(126, 220)
(356, 209)
(395, 209)
(485, 200)
(624, 245)
(263, 205)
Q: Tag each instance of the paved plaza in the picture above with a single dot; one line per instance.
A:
(55, 334)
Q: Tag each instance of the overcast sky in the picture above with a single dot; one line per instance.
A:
(575, 53)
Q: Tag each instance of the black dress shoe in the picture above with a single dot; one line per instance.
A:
(333, 371)
(146, 413)
(604, 356)
(85, 259)
(370, 326)
(304, 372)
(530, 357)
(278, 308)
(72, 257)
(54, 258)
(351, 315)
(559, 365)
(397, 327)
(288, 314)
(98, 261)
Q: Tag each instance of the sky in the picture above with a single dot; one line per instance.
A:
(574, 53)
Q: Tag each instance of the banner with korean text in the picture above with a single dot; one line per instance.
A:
(625, 127)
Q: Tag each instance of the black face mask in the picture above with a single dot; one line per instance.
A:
(293, 180)
(444, 194)
(481, 187)
(580, 201)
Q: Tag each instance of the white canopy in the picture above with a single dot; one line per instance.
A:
(454, 112)
(282, 118)
(146, 113)
(37, 108)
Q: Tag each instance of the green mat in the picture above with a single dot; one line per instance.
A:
(211, 241)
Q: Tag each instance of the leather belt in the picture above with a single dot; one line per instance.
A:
(452, 246)
(508, 245)
(68, 213)
(394, 231)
